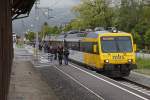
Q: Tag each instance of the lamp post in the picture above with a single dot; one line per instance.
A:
(37, 41)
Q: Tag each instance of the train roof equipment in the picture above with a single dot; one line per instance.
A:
(78, 35)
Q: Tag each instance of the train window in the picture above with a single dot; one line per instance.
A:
(83, 46)
(88, 47)
(73, 45)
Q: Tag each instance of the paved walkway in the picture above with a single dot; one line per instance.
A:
(27, 83)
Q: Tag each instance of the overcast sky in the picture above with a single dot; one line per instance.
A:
(58, 3)
(61, 13)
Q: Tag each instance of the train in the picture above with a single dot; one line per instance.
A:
(109, 52)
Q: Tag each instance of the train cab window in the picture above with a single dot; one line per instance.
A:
(116, 44)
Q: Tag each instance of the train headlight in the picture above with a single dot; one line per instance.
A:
(115, 31)
(130, 60)
(107, 61)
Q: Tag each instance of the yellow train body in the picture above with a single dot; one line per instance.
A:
(97, 60)
(89, 49)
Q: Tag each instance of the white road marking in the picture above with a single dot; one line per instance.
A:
(109, 83)
(39, 66)
(80, 84)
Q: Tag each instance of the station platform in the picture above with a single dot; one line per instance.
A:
(26, 82)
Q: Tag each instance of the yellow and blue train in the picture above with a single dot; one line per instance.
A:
(110, 52)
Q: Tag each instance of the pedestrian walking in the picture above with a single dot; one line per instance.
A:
(66, 56)
(60, 54)
(46, 47)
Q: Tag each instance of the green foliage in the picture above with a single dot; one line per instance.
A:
(49, 30)
(137, 40)
(93, 13)
(67, 27)
(45, 30)
(30, 36)
(143, 66)
(131, 15)
(147, 38)
(143, 63)
(55, 30)
(76, 24)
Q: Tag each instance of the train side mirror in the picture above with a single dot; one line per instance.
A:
(95, 48)
(134, 46)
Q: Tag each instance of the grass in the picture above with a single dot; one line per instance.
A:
(143, 66)
(143, 63)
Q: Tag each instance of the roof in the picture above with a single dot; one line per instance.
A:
(21, 7)
(81, 35)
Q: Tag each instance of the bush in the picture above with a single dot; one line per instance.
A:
(147, 38)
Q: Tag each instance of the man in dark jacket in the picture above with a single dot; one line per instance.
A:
(55, 53)
(60, 54)
(66, 54)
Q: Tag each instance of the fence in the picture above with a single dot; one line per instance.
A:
(143, 55)
(42, 59)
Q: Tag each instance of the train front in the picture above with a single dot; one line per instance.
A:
(117, 54)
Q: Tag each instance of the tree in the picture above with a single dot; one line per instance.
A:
(94, 13)
(129, 14)
(147, 38)
(49, 30)
(67, 27)
(55, 30)
(45, 30)
(137, 39)
(75, 24)
(30, 36)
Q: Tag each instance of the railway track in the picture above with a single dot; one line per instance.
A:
(128, 83)
(124, 81)
(134, 85)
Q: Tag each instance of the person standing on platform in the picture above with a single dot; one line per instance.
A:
(55, 53)
(66, 56)
(60, 54)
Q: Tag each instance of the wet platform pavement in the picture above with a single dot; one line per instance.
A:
(27, 83)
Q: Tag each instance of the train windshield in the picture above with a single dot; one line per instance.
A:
(116, 44)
